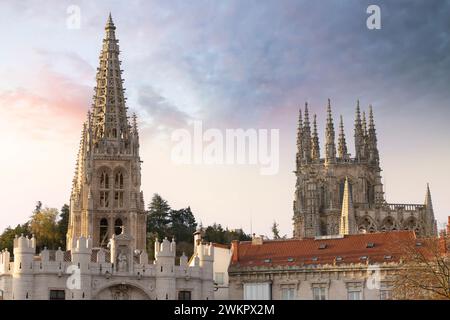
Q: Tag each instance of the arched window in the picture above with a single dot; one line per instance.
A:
(103, 232)
(118, 190)
(104, 189)
(118, 226)
(104, 180)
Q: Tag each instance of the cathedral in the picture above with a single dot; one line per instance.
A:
(106, 256)
(340, 194)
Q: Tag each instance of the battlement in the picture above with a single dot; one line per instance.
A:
(165, 248)
(82, 245)
(22, 244)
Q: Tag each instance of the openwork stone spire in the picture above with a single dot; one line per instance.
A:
(342, 144)
(372, 139)
(359, 134)
(315, 152)
(306, 136)
(109, 112)
(330, 147)
(299, 138)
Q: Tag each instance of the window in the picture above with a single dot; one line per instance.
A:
(385, 291)
(319, 293)
(104, 181)
(354, 295)
(118, 181)
(354, 291)
(104, 199)
(184, 295)
(103, 232)
(118, 199)
(57, 295)
(118, 227)
(219, 278)
(257, 291)
(288, 293)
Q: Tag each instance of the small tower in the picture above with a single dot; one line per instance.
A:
(79, 283)
(22, 280)
(372, 140)
(165, 270)
(342, 144)
(330, 148)
(299, 156)
(306, 136)
(315, 152)
(359, 135)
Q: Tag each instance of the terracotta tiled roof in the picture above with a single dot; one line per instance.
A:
(359, 248)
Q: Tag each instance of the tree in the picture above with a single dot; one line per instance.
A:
(158, 216)
(215, 233)
(275, 231)
(182, 224)
(63, 224)
(43, 225)
(424, 272)
(7, 237)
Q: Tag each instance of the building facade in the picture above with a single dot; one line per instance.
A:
(106, 255)
(342, 267)
(320, 184)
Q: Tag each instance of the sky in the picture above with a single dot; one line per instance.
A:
(230, 64)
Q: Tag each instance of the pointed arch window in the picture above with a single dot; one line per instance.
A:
(103, 232)
(118, 190)
(118, 225)
(104, 189)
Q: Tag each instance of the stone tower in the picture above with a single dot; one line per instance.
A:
(106, 194)
(339, 189)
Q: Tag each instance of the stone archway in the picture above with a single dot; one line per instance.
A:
(121, 291)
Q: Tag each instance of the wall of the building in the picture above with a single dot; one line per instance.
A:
(222, 257)
(337, 282)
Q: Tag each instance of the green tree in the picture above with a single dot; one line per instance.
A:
(44, 226)
(158, 216)
(182, 224)
(8, 235)
(63, 224)
(216, 233)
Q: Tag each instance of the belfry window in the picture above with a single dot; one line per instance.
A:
(104, 181)
(103, 232)
(118, 226)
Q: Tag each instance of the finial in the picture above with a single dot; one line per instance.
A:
(110, 23)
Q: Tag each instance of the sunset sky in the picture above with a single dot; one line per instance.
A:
(231, 64)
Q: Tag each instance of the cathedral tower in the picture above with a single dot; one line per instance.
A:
(106, 197)
(338, 194)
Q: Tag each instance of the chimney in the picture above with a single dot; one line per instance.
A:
(235, 251)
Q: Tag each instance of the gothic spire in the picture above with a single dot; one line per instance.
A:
(342, 144)
(347, 223)
(299, 138)
(109, 111)
(306, 136)
(330, 147)
(372, 139)
(359, 134)
(428, 202)
(315, 152)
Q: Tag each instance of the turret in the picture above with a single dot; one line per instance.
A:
(79, 282)
(372, 140)
(204, 258)
(315, 152)
(299, 139)
(342, 144)
(359, 135)
(330, 147)
(22, 282)
(165, 270)
(306, 137)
